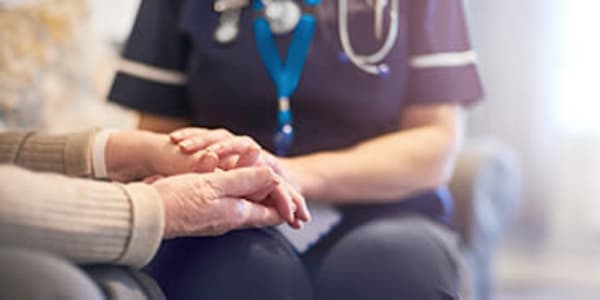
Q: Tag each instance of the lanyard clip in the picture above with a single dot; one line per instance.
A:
(284, 137)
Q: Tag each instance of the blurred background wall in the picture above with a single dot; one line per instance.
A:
(539, 60)
(55, 65)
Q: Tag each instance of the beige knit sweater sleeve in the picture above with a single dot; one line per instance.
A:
(83, 220)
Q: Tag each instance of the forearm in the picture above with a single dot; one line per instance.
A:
(83, 220)
(66, 154)
(127, 154)
(386, 168)
(122, 155)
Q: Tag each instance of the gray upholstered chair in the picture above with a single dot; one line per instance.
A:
(486, 188)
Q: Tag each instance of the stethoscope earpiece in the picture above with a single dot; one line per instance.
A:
(383, 70)
(343, 57)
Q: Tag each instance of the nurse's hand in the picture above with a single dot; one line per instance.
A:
(242, 151)
(133, 155)
(212, 204)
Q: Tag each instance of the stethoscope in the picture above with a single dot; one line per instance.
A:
(282, 17)
(372, 63)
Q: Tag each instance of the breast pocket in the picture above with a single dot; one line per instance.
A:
(229, 74)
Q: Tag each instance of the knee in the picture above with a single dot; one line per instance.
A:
(253, 252)
(27, 274)
(251, 264)
(256, 249)
(390, 259)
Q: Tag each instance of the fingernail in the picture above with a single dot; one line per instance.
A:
(208, 161)
(300, 225)
(186, 144)
(211, 154)
(177, 135)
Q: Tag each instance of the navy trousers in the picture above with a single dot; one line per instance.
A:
(395, 257)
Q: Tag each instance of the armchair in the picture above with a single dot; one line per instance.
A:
(486, 189)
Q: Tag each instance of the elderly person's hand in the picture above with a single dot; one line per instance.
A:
(212, 204)
(242, 151)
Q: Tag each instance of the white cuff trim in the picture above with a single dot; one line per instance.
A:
(99, 154)
(443, 60)
(148, 224)
(152, 73)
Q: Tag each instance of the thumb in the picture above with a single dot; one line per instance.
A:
(244, 181)
(152, 179)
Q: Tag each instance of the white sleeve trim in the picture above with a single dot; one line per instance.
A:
(443, 60)
(99, 154)
(152, 73)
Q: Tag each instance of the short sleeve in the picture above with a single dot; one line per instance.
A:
(443, 66)
(152, 75)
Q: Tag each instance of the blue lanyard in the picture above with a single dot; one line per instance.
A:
(285, 75)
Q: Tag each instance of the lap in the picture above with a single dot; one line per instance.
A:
(248, 264)
(406, 257)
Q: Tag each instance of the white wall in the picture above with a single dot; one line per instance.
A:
(540, 91)
(113, 18)
(508, 37)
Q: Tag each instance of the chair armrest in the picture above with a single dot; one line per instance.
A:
(486, 187)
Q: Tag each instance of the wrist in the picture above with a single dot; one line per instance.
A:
(303, 176)
(99, 168)
(126, 158)
(162, 188)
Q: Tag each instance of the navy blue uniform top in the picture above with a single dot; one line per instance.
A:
(172, 66)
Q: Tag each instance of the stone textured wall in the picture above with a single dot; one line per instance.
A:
(54, 70)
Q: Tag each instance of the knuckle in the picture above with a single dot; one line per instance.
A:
(223, 132)
(246, 139)
(189, 131)
(238, 214)
(250, 142)
(206, 188)
(265, 171)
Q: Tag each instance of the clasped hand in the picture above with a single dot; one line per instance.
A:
(210, 181)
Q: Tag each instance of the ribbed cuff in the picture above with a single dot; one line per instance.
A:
(10, 142)
(67, 154)
(78, 154)
(148, 225)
